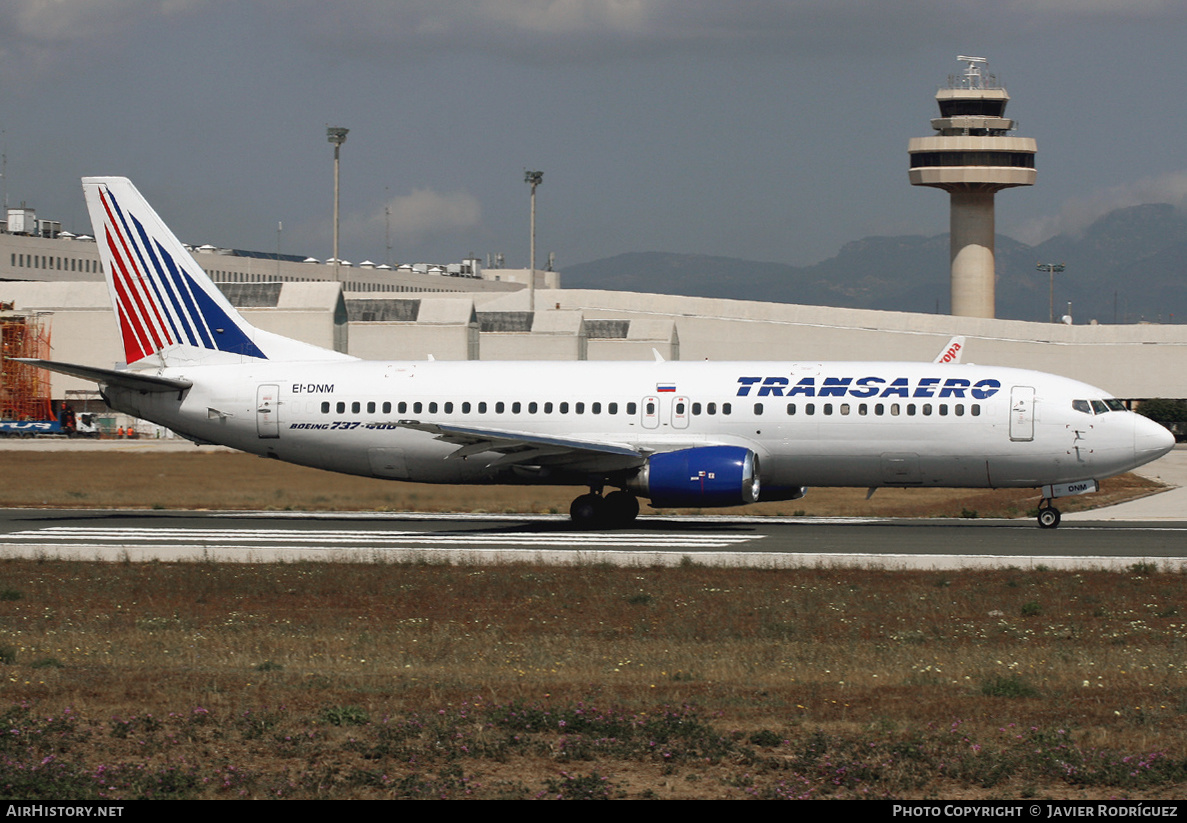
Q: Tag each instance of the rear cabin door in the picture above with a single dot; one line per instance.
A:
(268, 410)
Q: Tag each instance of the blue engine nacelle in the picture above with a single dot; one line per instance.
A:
(702, 477)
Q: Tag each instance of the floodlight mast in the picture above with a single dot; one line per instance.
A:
(337, 136)
(533, 179)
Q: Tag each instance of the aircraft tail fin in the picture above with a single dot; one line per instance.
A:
(952, 352)
(165, 304)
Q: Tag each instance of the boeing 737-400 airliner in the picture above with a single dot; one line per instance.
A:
(681, 434)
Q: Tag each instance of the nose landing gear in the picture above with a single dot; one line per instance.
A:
(1048, 515)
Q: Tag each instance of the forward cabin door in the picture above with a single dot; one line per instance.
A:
(268, 410)
(1022, 419)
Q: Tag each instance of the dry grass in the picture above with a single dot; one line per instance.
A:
(316, 680)
(373, 680)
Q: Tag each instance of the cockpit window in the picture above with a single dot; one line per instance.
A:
(1115, 405)
(1099, 407)
(1082, 406)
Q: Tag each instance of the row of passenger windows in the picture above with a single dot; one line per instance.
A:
(650, 408)
(482, 407)
(882, 409)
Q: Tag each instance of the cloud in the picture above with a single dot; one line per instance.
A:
(1079, 213)
(424, 212)
(57, 21)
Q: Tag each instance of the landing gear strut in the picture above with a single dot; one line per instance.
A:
(1048, 515)
(614, 511)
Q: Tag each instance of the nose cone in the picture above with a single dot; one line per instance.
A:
(1150, 440)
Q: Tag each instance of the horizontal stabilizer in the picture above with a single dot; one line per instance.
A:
(136, 381)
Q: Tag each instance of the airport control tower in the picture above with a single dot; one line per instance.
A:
(972, 156)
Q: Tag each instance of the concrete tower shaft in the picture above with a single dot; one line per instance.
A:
(972, 157)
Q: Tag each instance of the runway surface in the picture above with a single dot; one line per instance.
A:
(734, 541)
(1153, 529)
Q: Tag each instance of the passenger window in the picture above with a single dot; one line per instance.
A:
(325, 407)
(482, 407)
(564, 408)
(696, 408)
(595, 408)
(370, 407)
(449, 408)
(975, 409)
(727, 408)
(809, 408)
(612, 408)
(632, 409)
(387, 407)
(533, 407)
(845, 408)
(466, 407)
(579, 408)
(416, 407)
(758, 409)
(515, 407)
(548, 408)
(711, 408)
(499, 407)
(340, 407)
(403, 407)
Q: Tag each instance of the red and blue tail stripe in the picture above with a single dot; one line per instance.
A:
(159, 302)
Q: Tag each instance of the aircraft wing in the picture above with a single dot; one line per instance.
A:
(135, 381)
(535, 449)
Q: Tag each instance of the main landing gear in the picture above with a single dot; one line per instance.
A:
(616, 510)
(1048, 515)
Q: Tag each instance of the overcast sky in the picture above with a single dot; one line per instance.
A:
(771, 130)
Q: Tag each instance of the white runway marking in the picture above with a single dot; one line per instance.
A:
(81, 537)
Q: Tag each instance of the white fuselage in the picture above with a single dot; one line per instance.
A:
(862, 424)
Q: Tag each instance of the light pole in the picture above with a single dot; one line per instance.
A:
(1051, 269)
(337, 136)
(533, 179)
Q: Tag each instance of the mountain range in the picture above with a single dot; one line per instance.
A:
(1128, 266)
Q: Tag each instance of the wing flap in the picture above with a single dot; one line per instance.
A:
(518, 448)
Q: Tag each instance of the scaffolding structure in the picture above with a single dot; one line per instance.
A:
(24, 390)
